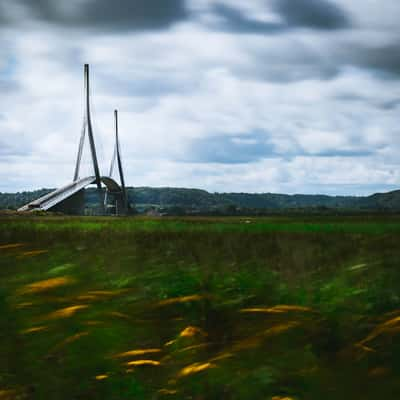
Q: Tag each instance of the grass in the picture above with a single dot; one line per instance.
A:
(233, 308)
(377, 225)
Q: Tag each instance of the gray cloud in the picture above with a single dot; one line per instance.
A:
(290, 61)
(300, 56)
(315, 14)
(109, 15)
(385, 58)
(391, 104)
(144, 84)
(234, 20)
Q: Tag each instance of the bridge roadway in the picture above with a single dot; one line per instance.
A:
(50, 200)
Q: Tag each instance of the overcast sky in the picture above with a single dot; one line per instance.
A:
(289, 96)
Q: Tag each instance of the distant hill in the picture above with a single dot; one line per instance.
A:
(14, 200)
(195, 201)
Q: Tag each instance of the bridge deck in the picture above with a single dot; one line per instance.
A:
(50, 200)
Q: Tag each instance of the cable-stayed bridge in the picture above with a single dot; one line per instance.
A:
(70, 198)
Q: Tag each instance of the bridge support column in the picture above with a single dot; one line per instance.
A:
(73, 205)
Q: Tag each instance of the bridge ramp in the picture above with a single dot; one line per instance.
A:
(52, 199)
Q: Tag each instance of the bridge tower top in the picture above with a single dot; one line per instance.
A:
(87, 126)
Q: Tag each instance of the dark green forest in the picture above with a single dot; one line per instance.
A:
(181, 201)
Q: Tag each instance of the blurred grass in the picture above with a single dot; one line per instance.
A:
(372, 225)
(200, 308)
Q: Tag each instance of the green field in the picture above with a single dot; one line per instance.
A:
(233, 308)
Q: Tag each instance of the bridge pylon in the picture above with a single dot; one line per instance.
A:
(70, 199)
(87, 126)
(121, 201)
(116, 159)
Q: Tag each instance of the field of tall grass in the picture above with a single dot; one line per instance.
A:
(200, 308)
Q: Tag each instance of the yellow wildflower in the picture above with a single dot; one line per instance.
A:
(195, 368)
(66, 312)
(101, 377)
(138, 352)
(48, 284)
(140, 363)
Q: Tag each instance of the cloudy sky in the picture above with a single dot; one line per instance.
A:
(289, 96)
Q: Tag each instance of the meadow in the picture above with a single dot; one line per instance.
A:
(284, 308)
